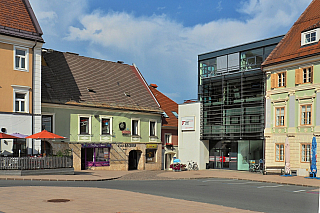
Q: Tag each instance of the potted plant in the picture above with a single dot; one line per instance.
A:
(177, 167)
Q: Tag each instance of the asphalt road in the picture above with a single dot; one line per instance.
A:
(255, 196)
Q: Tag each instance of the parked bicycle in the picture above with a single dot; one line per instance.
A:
(192, 165)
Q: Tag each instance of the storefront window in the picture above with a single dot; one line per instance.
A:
(95, 155)
(151, 155)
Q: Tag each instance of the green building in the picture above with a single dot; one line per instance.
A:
(105, 109)
(293, 95)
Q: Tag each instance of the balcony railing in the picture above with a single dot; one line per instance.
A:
(32, 163)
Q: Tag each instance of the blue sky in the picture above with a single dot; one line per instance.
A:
(162, 38)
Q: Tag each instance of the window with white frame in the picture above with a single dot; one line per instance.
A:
(21, 58)
(84, 125)
(106, 126)
(282, 79)
(305, 152)
(21, 98)
(153, 128)
(135, 123)
(167, 138)
(310, 36)
(307, 75)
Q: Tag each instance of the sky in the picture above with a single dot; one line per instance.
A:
(162, 38)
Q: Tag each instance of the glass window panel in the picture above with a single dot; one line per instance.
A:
(17, 62)
(23, 63)
(17, 106)
(20, 52)
(84, 125)
(105, 126)
(152, 128)
(22, 106)
(20, 96)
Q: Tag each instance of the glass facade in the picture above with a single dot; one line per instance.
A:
(231, 90)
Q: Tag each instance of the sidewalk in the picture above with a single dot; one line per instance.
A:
(82, 199)
(92, 175)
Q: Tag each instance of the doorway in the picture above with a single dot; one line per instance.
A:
(134, 157)
(86, 156)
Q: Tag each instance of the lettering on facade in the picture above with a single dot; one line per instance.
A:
(127, 145)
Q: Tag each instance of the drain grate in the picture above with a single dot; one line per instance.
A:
(58, 200)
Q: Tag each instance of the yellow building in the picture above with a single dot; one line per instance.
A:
(20, 82)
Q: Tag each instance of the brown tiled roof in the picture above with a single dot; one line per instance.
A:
(17, 19)
(167, 105)
(289, 47)
(68, 78)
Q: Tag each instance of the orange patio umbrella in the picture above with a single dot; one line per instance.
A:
(6, 136)
(44, 134)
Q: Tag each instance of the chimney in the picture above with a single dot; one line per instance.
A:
(154, 86)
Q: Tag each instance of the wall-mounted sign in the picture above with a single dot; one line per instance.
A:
(187, 123)
(127, 145)
(122, 126)
(152, 146)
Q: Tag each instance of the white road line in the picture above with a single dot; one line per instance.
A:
(300, 190)
(268, 186)
(236, 183)
(217, 180)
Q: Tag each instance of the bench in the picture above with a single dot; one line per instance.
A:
(274, 169)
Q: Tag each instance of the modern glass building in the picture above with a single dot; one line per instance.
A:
(231, 90)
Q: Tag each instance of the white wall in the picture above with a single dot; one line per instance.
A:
(190, 147)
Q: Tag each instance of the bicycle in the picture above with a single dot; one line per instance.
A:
(192, 165)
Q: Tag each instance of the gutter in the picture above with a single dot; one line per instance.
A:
(33, 90)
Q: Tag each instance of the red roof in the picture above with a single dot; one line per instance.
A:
(18, 19)
(289, 47)
(167, 105)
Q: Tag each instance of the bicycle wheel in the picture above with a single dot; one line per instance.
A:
(189, 166)
(195, 167)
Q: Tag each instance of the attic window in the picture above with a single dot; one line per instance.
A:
(175, 114)
(310, 36)
(165, 115)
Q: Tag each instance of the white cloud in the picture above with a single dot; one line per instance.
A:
(164, 50)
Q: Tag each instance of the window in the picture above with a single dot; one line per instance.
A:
(84, 125)
(151, 155)
(165, 115)
(280, 116)
(21, 59)
(20, 102)
(47, 123)
(278, 80)
(20, 98)
(152, 128)
(305, 152)
(304, 75)
(167, 139)
(280, 152)
(135, 127)
(306, 114)
(282, 79)
(175, 114)
(105, 126)
(310, 37)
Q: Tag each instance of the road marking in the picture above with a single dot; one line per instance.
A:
(300, 190)
(268, 186)
(236, 183)
(217, 180)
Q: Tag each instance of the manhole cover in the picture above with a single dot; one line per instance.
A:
(58, 200)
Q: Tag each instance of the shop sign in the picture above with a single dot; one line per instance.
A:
(152, 146)
(94, 145)
(127, 145)
(187, 123)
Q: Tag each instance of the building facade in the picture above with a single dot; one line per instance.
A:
(293, 94)
(191, 148)
(20, 82)
(111, 119)
(231, 90)
(169, 126)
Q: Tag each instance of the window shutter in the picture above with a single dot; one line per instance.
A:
(285, 79)
(298, 76)
(312, 74)
(273, 80)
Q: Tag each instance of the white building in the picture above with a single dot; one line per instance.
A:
(190, 147)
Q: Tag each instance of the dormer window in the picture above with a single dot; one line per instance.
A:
(310, 36)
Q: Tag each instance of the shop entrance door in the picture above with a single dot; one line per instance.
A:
(222, 159)
(133, 160)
